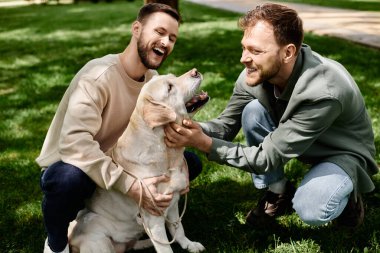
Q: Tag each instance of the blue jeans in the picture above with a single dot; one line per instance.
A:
(325, 189)
(66, 187)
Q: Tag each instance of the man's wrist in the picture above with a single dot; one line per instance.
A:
(124, 183)
(206, 144)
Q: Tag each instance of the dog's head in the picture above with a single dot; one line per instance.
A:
(168, 98)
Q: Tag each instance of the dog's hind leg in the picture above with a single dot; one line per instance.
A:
(95, 245)
(143, 244)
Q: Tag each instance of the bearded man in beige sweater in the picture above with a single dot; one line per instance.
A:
(91, 117)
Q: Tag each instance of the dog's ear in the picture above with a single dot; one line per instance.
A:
(157, 114)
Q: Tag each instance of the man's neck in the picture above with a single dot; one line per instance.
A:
(132, 64)
(283, 76)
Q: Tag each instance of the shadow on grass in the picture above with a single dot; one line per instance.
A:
(213, 219)
(42, 47)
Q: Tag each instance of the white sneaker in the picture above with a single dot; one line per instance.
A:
(48, 250)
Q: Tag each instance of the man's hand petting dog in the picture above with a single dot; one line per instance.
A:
(190, 134)
(161, 201)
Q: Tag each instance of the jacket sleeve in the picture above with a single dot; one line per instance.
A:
(288, 141)
(77, 144)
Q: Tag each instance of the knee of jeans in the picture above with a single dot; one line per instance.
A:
(309, 211)
(255, 116)
(251, 113)
(309, 216)
(66, 180)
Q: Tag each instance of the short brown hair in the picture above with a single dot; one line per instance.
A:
(151, 8)
(287, 25)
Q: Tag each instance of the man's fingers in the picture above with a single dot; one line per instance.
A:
(168, 142)
(172, 128)
(187, 122)
(164, 198)
(176, 131)
(160, 179)
(154, 202)
(169, 130)
(163, 201)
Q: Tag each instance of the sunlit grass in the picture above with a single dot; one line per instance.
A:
(42, 47)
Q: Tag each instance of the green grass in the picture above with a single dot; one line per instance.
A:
(42, 47)
(362, 5)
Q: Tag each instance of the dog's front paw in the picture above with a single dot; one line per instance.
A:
(195, 247)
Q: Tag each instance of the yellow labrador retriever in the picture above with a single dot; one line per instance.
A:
(113, 222)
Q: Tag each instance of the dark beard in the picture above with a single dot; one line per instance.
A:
(271, 73)
(268, 75)
(142, 51)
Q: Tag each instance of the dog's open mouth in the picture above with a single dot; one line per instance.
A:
(196, 102)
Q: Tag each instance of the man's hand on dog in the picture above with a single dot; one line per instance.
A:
(161, 201)
(188, 135)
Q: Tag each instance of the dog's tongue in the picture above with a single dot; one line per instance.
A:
(192, 101)
(197, 98)
(197, 101)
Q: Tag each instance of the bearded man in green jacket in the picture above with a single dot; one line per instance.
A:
(291, 103)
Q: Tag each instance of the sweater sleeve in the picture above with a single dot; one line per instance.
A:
(77, 143)
(288, 141)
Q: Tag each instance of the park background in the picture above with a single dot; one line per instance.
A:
(42, 46)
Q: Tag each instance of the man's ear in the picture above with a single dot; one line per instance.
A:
(157, 114)
(136, 28)
(289, 53)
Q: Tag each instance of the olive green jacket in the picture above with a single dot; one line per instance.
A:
(320, 117)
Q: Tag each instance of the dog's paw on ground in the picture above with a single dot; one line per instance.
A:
(195, 247)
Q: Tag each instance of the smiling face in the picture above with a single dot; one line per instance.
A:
(157, 38)
(261, 54)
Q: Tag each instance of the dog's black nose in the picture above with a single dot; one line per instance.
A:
(194, 73)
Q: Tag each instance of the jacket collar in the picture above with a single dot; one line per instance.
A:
(296, 73)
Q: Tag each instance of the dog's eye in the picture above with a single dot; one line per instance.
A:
(170, 87)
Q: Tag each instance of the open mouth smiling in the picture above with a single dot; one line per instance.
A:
(251, 70)
(159, 51)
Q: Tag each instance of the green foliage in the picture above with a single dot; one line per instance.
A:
(41, 49)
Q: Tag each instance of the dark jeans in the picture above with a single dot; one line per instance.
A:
(66, 188)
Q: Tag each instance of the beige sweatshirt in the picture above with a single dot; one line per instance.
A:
(91, 117)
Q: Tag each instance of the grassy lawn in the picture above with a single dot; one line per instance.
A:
(42, 47)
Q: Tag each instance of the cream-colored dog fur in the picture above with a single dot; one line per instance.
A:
(111, 221)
